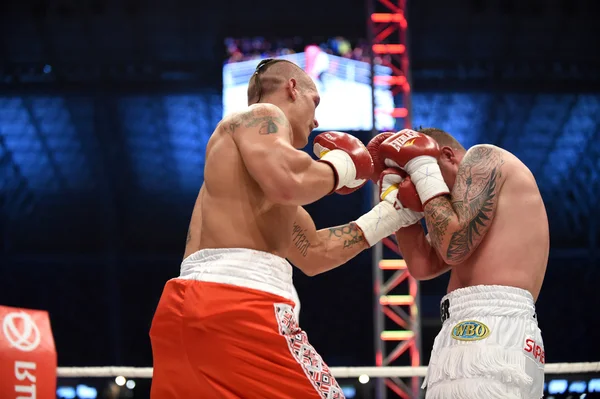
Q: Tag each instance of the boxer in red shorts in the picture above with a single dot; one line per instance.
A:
(225, 328)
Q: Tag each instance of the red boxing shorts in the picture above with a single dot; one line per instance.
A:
(226, 329)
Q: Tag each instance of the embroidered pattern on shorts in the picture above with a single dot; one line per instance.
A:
(315, 369)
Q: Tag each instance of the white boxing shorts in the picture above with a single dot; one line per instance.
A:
(490, 346)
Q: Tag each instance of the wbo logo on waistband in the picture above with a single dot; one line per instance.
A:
(470, 330)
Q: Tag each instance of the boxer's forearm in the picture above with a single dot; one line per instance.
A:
(334, 247)
(442, 224)
(421, 258)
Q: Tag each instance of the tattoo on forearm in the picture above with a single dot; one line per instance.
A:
(474, 198)
(438, 218)
(350, 233)
(265, 120)
(300, 240)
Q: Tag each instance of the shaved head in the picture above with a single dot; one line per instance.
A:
(273, 74)
(443, 138)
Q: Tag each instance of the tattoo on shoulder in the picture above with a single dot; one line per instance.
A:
(265, 119)
(350, 233)
(474, 199)
(300, 240)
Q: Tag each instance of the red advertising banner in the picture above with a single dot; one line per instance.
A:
(27, 355)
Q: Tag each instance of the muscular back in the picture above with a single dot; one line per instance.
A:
(231, 210)
(514, 251)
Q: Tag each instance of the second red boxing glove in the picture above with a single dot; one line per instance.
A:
(418, 155)
(378, 162)
(407, 197)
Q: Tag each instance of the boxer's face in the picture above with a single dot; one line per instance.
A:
(302, 118)
(449, 162)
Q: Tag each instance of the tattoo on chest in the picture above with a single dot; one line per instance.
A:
(300, 240)
(350, 233)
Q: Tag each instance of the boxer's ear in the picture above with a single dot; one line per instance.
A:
(448, 155)
(292, 87)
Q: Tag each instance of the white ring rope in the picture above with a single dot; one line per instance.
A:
(338, 372)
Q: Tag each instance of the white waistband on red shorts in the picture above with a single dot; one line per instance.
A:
(242, 267)
(488, 300)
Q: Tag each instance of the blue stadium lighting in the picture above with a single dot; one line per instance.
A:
(66, 393)
(85, 392)
(349, 391)
(558, 386)
(577, 386)
(594, 385)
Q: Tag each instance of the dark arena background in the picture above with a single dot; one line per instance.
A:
(106, 108)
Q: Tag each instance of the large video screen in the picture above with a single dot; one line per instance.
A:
(339, 68)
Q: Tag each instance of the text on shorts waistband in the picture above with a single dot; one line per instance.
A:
(487, 300)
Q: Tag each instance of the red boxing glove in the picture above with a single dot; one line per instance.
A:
(378, 163)
(349, 158)
(406, 145)
(393, 179)
(417, 154)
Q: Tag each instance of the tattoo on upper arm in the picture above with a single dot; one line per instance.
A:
(189, 236)
(300, 240)
(350, 233)
(474, 199)
(267, 122)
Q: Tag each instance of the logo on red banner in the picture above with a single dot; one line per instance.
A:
(27, 355)
(20, 331)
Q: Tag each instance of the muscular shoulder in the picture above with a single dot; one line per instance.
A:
(482, 151)
(485, 156)
(267, 118)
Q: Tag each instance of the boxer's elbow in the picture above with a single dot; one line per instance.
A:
(427, 267)
(418, 269)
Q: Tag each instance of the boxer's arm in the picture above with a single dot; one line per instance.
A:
(458, 224)
(421, 258)
(286, 175)
(316, 252)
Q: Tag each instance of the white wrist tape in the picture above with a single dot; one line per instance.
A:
(427, 177)
(344, 167)
(384, 220)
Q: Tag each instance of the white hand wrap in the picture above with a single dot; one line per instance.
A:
(384, 220)
(427, 177)
(342, 164)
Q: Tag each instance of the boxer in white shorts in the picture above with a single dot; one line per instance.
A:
(487, 224)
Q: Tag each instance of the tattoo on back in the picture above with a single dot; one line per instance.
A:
(350, 233)
(264, 119)
(474, 198)
(300, 240)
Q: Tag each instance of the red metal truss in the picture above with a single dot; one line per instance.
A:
(397, 320)
(389, 27)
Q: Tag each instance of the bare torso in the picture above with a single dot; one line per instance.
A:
(515, 249)
(231, 211)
